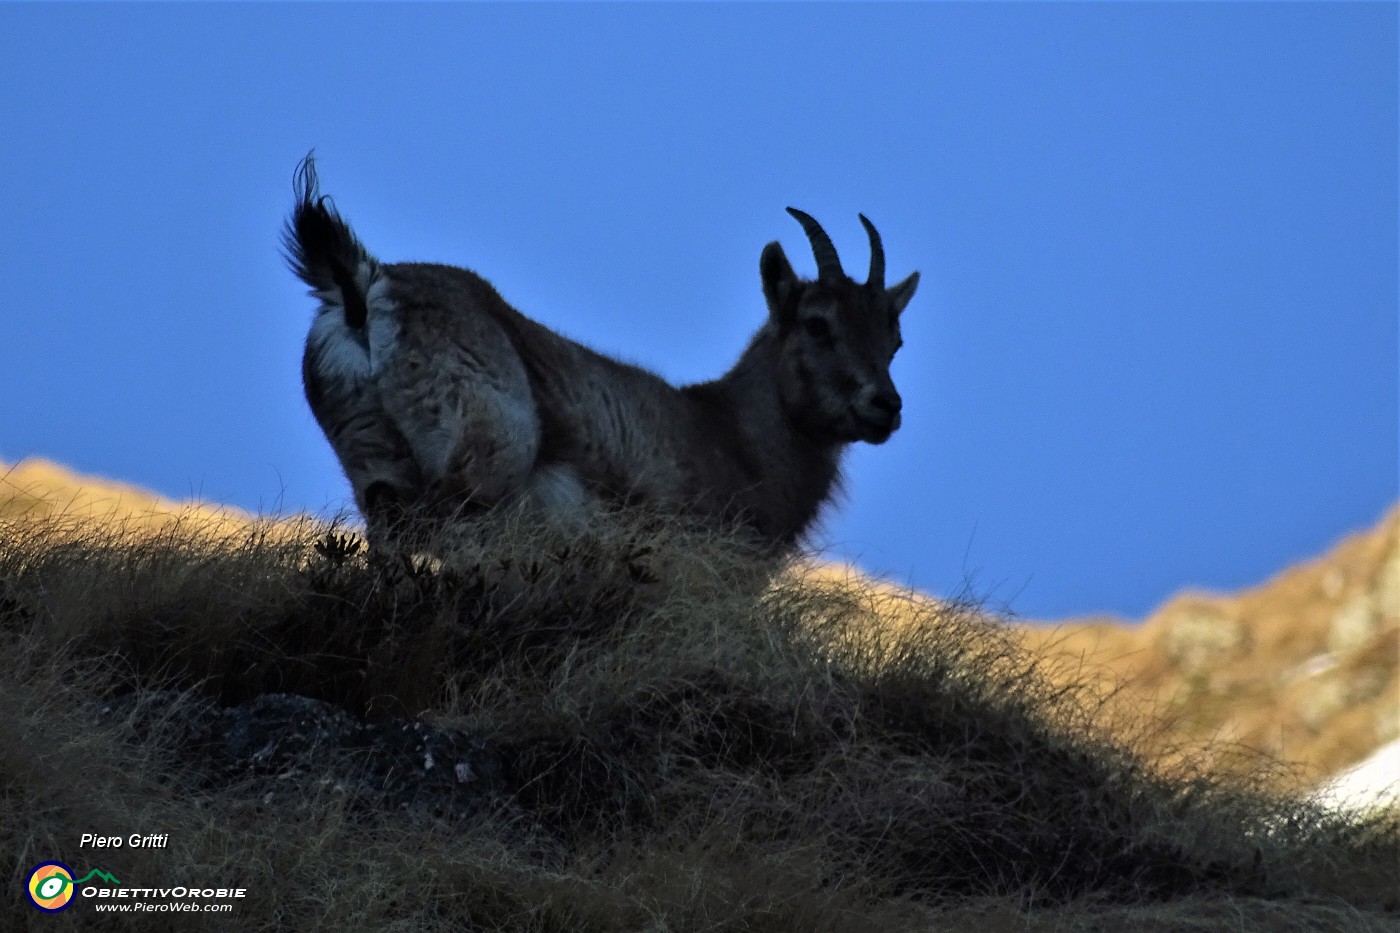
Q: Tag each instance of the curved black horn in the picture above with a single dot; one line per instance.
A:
(828, 264)
(876, 278)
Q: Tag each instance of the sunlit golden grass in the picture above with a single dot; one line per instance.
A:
(683, 746)
(36, 490)
(1303, 675)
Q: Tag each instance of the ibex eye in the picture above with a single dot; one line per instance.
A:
(817, 327)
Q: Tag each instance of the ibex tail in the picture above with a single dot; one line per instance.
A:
(324, 253)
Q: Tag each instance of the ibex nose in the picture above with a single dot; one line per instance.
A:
(887, 401)
(880, 415)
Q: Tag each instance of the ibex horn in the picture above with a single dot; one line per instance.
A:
(828, 265)
(876, 279)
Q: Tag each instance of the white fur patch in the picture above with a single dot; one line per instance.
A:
(337, 350)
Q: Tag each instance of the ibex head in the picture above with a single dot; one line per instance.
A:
(836, 338)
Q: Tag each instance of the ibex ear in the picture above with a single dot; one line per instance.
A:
(780, 283)
(900, 294)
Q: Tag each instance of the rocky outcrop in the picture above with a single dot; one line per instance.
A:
(1197, 635)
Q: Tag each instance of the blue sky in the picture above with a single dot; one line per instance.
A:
(1155, 344)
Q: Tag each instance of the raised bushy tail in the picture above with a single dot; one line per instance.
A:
(324, 252)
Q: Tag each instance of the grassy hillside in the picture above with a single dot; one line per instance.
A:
(1305, 666)
(680, 746)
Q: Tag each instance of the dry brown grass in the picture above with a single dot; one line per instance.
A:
(683, 748)
(1257, 694)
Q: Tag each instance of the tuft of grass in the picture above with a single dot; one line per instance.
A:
(690, 738)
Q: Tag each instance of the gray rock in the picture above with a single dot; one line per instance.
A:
(1201, 635)
(1355, 623)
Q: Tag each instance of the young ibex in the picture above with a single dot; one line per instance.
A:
(438, 396)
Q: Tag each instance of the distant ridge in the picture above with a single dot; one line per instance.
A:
(1305, 665)
(37, 489)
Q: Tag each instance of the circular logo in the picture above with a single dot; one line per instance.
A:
(50, 886)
